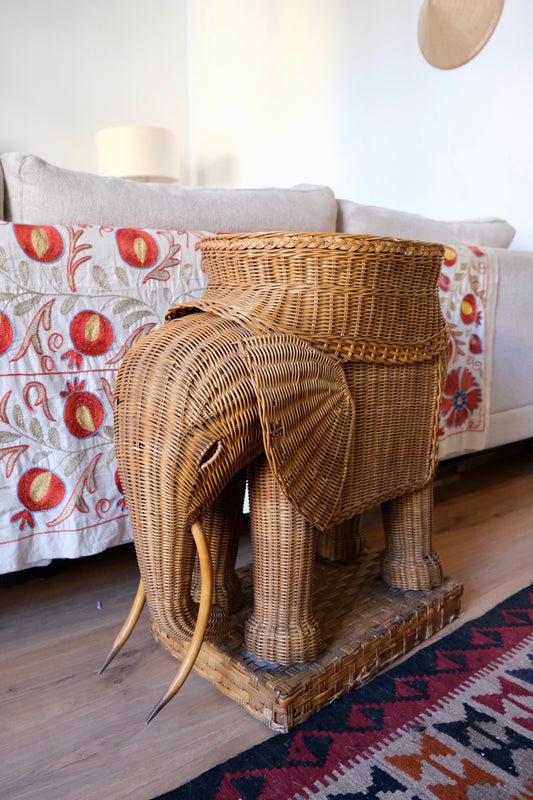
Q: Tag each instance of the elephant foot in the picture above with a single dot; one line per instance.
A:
(277, 643)
(421, 575)
(409, 561)
(228, 595)
(343, 542)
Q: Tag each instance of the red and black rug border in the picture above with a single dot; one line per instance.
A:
(366, 716)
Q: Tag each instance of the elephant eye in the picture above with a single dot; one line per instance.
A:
(210, 454)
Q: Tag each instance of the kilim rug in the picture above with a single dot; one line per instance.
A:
(453, 721)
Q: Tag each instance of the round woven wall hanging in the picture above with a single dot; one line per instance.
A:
(452, 32)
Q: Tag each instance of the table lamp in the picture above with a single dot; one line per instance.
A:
(137, 152)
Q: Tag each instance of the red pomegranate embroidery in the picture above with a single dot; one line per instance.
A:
(39, 242)
(6, 333)
(475, 345)
(450, 256)
(38, 489)
(91, 334)
(121, 502)
(137, 247)
(468, 308)
(444, 282)
(83, 412)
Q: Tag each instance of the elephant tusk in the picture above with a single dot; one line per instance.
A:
(206, 595)
(127, 628)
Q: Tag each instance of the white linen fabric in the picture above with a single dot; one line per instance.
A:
(73, 300)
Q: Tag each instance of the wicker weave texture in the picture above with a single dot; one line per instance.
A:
(175, 403)
(365, 626)
(282, 629)
(358, 297)
(222, 524)
(328, 353)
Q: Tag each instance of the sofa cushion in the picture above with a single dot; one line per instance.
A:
(39, 193)
(357, 218)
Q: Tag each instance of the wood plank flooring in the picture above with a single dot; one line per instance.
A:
(67, 734)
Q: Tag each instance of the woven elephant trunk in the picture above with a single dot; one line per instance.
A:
(318, 360)
(176, 453)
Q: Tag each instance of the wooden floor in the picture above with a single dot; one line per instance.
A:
(66, 733)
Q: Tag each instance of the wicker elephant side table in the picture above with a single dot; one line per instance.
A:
(313, 367)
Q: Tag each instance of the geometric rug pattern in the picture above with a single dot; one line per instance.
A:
(452, 722)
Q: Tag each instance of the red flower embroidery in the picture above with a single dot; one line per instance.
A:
(83, 412)
(444, 282)
(450, 256)
(6, 333)
(137, 248)
(461, 396)
(40, 242)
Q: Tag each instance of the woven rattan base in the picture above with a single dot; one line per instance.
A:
(365, 626)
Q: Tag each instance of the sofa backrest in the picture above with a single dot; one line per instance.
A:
(376, 221)
(37, 192)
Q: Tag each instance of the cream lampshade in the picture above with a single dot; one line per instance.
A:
(137, 152)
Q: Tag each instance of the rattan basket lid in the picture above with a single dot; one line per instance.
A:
(452, 32)
(365, 298)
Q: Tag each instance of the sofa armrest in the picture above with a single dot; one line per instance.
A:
(512, 378)
(2, 209)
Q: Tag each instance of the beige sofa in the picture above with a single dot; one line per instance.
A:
(89, 264)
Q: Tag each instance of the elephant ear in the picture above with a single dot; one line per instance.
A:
(307, 417)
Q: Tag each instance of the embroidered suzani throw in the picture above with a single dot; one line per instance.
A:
(468, 288)
(73, 300)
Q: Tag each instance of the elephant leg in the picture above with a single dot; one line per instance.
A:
(409, 561)
(222, 524)
(343, 542)
(282, 628)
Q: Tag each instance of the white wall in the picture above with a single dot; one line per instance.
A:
(69, 67)
(337, 91)
(280, 92)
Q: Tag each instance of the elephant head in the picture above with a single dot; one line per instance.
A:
(185, 422)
